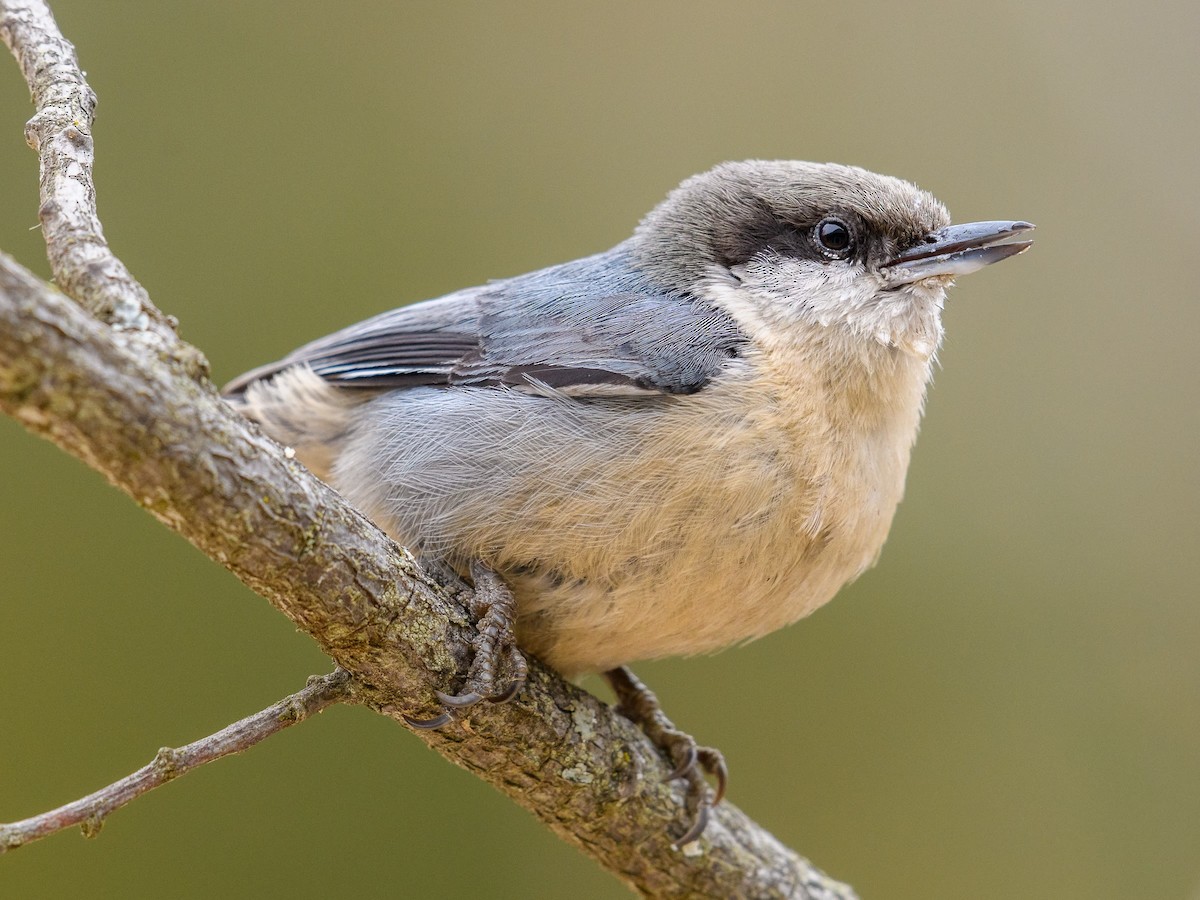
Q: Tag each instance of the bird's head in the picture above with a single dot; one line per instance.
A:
(796, 247)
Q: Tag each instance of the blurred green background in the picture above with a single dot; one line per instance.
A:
(1009, 704)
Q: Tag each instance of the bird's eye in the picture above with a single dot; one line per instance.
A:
(834, 237)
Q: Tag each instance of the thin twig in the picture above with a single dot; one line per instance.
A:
(169, 763)
(84, 267)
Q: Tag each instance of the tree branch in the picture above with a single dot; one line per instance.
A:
(128, 401)
(61, 133)
(169, 763)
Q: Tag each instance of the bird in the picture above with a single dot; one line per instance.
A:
(682, 443)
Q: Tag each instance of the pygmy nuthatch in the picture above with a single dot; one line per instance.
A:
(688, 441)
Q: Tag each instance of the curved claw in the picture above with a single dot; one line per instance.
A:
(686, 764)
(714, 765)
(459, 701)
(508, 693)
(520, 671)
(722, 776)
(436, 722)
(696, 830)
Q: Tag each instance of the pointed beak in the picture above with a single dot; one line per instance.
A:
(956, 250)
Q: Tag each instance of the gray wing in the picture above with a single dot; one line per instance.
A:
(593, 327)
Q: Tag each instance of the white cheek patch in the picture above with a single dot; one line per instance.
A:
(781, 293)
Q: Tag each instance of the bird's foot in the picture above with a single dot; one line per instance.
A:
(495, 647)
(692, 762)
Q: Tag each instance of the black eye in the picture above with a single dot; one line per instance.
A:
(834, 237)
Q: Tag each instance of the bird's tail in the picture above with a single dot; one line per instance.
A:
(300, 410)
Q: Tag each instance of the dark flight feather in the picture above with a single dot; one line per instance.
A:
(596, 326)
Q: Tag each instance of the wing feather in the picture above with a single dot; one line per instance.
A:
(593, 327)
